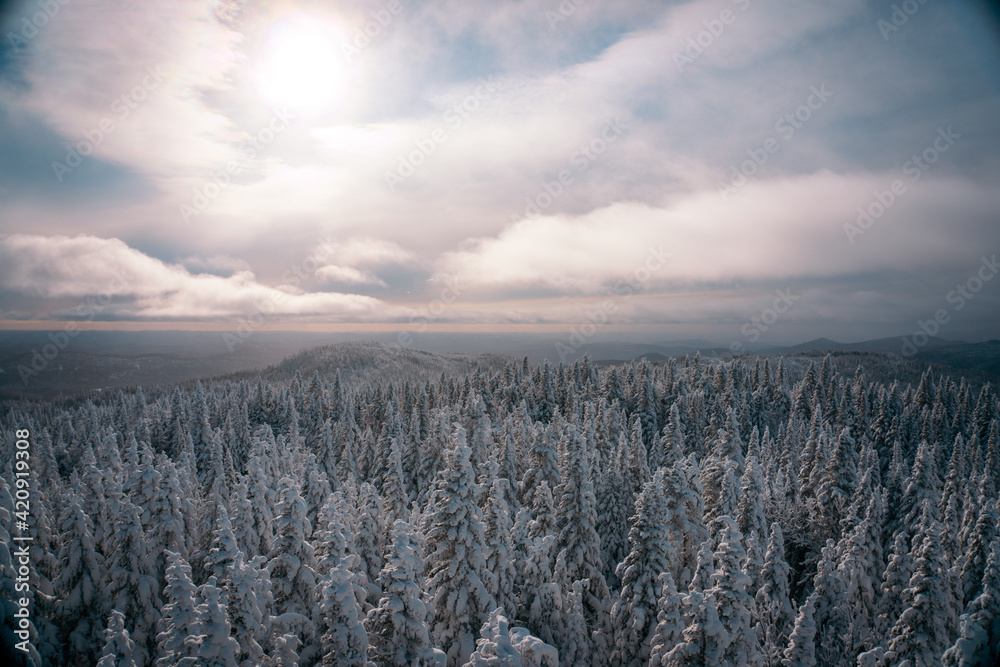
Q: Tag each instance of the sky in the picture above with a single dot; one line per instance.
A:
(740, 170)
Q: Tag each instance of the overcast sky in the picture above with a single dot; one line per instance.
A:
(676, 164)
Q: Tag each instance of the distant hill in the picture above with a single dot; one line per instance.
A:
(100, 360)
(377, 362)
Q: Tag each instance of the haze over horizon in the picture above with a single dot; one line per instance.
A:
(721, 169)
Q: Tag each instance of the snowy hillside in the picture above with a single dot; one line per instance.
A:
(358, 505)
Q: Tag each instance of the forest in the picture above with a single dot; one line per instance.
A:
(453, 511)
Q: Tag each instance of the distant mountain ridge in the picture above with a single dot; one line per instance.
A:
(97, 360)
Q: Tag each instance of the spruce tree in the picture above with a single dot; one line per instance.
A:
(457, 576)
(633, 615)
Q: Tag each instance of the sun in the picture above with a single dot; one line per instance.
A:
(300, 66)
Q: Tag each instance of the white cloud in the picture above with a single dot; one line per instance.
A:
(84, 266)
(769, 230)
(347, 276)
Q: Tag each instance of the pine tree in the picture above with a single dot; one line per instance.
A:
(119, 649)
(285, 653)
(369, 535)
(703, 640)
(720, 488)
(859, 573)
(494, 647)
(579, 546)
(179, 619)
(636, 471)
(223, 551)
(315, 488)
(540, 600)
(261, 497)
(133, 589)
(774, 607)
(633, 615)
(248, 590)
(923, 630)
(924, 484)
(244, 520)
(168, 530)
(457, 576)
(574, 641)
(683, 490)
(750, 510)
(801, 651)
(729, 593)
(976, 555)
(543, 465)
(212, 644)
(614, 507)
(500, 547)
(979, 639)
(292, 561)
(894, 581)
(81, 585)
(398, 633)
(670, 621)
(544, 512)
(344, 640)
(836, 484)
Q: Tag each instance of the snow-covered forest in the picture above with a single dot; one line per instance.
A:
(692, 512)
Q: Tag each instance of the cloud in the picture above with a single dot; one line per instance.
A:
(153, 100)
(63, 267)
(347, 276)
(783, 229)
(464, 213)
(370, 252)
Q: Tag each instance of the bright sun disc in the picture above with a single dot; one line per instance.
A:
(300, 66)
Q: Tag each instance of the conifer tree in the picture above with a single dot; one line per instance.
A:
(213, 644)
(774, 608)
(457, 576)
(633, 615)
(923, 630)
(498, 530)
(292, 561)
(979, 638)
(578, 546)
(119, 649)
(82, 598)
(398, 632)
(344, 640)
(801, 651)
(133, 589)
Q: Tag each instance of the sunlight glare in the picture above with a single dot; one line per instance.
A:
(300, 66)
